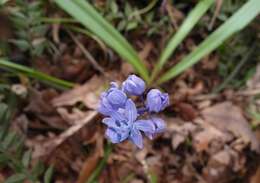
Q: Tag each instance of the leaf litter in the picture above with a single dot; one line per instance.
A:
(208, 138)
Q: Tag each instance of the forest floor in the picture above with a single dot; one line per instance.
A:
(213, 120)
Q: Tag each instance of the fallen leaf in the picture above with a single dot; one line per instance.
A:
(187, 111)
(70, 131)
(256, 177)
(228, 117)
(223, 157)
(88, 167)
(202, 139)
(47, 147)
(87, 93)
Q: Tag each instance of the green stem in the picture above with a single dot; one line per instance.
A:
(144, 10)
(101, 164)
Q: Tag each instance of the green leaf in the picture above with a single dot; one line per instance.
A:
(191, 20)
(101, 165)
(3, 109)
(9, 140)
(2, 2)
(48, 175)
(131, 25)
(114, 7)
(92, 20)
(234, 24)
(17, 178)
(3, 159)
(27, 158)
(38, 169)
(22, 44)
(35, 74)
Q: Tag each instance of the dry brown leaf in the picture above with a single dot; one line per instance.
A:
(202, 139)
(71, 117)
(87, 93)
(256, 177)
(223, 157)
(47, 147)
(187, 111)
(72, 130)
(40, 108)
(228, 117)
(88, 167)
(177, 139)
(146, 50)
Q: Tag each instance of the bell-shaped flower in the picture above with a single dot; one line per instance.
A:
(156, 101)
(159, 127)
(112, 100)
(126, 126)
(133, 85)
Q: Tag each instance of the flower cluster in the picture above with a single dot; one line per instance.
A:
(127, 121)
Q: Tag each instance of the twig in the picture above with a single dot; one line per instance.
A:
(146, 9)
(87, 54)
(170, 13)
(216, 13)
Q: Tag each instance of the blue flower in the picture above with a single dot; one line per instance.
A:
(133, 85)
(156, 101)
(124, 119)
(112, 100)
(125, 125)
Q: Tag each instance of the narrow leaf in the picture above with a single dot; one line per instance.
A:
(191, 20)
(9, 140)
(48, 175)
(4, 64)
(234, 24)
(92, 20)
(27, 158)
(17, 178)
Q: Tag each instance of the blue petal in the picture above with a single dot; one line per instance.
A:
(124, 134)
(159, 125)
(165, 101)
(112, 135)
(136, 138)
(145, 126)
(104, 107)
(117, 116)
(110, 122)
(131, 110)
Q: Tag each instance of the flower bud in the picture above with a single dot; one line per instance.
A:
(156, 101)
(112, 100)
(133, 85)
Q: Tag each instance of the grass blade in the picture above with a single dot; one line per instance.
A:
(4, 64)
(192, 19)
(234, 24)
(90, 18)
